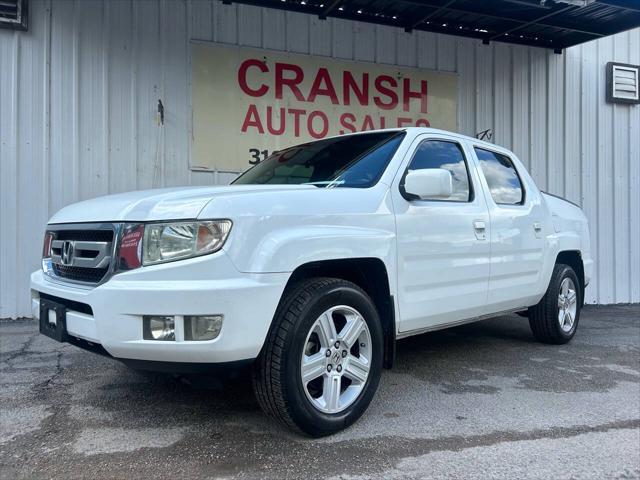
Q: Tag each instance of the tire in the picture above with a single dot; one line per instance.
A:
(546, 319)
(297, 336)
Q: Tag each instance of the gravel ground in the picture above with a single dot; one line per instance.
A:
(475, 402)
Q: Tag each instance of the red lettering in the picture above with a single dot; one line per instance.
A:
(407, 95)
(325, 124)
(292, 83)
(367, 124)
(422, 122)
(382, 89)
(270, 115)
(327, 90)
(242, 77)
(296, 112)
(402, 121)
(346, 121)
(349, 85)
(252, 119)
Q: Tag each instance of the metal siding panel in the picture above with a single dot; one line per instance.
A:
(426, 46)
(620, 206)
(520, 89)
(63, 167)
(176, 97)
(9, 87)
(484, 86)
(274, 29)
(407, 53)
(298, 32)
(320, 36)
(201, 15)
(503, 96)
(365, 45)
(555, 124)
(93, 167)
(588, 121)
(30, 188)
(385, 44)
(225, 28)
(446, 53)
(572, 131)
(634, 183)
(604, 161)
(342, 38)
(466, 69)
(538, 117)
(250, 25)
(148, 90)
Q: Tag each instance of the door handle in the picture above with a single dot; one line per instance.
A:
(537, 228)
(479, 227)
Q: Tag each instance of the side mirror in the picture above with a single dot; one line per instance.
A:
(429, 183)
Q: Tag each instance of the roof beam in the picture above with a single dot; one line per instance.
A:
(330, 8)
(532, 22)
(618, 4)
(427, 17)
(521, 23)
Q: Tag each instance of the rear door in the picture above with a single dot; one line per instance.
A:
(442, 245)
(517, 230)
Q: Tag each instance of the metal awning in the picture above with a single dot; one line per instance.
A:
(555, 24)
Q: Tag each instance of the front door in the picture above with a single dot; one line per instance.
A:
(442, 245)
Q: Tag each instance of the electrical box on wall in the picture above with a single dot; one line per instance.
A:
(622, 83)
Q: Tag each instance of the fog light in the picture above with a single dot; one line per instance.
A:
(159, 328)
(202, 327)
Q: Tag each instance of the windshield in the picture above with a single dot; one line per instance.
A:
(349, 161)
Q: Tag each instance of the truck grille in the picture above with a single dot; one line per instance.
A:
(80, 274)
(82, 253)
(86, 235)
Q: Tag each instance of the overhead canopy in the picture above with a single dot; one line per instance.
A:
(555, 24)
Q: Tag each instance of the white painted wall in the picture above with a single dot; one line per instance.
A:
(78, 96)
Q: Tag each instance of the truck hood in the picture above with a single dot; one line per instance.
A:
(157, 205)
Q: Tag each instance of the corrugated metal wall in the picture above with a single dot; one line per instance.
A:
(78, 96)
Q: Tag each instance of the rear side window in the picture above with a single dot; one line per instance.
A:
(502, 178)
(449, 156)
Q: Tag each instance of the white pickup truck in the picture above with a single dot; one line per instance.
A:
(312, 263)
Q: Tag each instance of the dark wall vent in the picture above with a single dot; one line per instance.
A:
(13, 14)
(623, 84)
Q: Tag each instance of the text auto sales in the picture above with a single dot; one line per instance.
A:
(383, 91)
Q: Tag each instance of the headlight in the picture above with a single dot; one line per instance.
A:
(165, 242)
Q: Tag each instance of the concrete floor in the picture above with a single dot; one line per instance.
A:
(478, 401)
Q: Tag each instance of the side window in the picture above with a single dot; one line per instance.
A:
(502, 178)
(447, 155)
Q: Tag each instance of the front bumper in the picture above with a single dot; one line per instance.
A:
(205, 285)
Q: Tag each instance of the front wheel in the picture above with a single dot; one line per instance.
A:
(322, 361)
(555, 318)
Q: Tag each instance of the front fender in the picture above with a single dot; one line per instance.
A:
(285, 248)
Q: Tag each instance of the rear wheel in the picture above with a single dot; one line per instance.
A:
(321, 364)
(555, 318)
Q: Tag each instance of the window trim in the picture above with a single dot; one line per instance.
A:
(472, 193)
(515, 169)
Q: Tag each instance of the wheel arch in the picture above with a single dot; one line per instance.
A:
(573, 258)
(370, 274)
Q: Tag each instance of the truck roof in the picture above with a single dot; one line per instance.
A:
(418, 130)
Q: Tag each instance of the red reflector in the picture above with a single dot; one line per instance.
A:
(130, 247)
(46, 248)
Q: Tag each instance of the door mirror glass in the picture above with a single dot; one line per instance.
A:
(430, 183)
